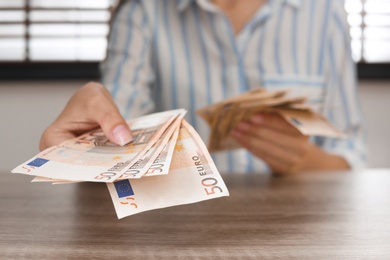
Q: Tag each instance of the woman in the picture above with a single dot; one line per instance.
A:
(169, 54)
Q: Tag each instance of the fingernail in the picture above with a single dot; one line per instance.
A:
(257, 119)
(122, 135)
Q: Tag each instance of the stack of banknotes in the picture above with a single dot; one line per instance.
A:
(224, 116)
(166, 164)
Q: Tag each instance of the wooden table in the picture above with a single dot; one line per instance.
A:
(312, 216)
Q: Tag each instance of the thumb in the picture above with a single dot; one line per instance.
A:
(102, 110)
(121, 134)
(114, 126)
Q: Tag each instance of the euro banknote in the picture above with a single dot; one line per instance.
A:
(142, 166)
(155, 161)
(192, 177)
(161, 164)
(91, 157)
(224, 116)
(167, 164)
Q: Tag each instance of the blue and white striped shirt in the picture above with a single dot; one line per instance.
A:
(166, 54)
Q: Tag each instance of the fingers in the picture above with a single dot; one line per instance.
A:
(274, 121)
(52, 136)
(102, 110)
(271, 138)
(280, 159)
(90, 107)
(280, 138)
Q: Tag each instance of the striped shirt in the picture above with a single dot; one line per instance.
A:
(167, 54)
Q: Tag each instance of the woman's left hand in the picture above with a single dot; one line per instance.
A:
(274, 140)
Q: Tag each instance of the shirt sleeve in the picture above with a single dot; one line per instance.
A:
(342, 105)
(127, 72)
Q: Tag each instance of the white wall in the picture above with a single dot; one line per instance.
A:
(375, 99)
(26, 108)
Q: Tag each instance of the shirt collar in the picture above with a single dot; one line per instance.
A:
(183, 4)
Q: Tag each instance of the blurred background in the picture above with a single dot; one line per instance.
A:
(49, 48)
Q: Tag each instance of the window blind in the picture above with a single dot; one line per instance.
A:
(76, 30)
(68, 38)
(370, 30)
(54, 30)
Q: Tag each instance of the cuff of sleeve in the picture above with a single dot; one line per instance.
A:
(356, 160)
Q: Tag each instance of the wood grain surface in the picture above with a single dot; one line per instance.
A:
(311, 216)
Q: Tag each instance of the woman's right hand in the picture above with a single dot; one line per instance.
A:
(90, 107)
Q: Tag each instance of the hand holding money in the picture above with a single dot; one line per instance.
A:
(166, 164)
(91, 107)
(225, 116)
(273, 127)
(270, 137)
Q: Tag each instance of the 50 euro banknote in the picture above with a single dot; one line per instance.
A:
(147, 163)
(192, 177)
(159, 166)
(91, 157)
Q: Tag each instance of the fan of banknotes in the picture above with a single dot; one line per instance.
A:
(224, 116)
(166, 164)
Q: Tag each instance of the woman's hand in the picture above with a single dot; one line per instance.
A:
(283, 147)
(90, 107)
